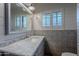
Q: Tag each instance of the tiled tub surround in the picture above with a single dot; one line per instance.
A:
(27, 47)
(59, 41)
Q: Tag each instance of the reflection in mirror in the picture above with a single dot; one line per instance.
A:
(19, 18)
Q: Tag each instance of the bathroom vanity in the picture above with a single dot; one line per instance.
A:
(32, 46)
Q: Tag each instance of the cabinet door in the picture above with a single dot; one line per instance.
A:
(40, 50)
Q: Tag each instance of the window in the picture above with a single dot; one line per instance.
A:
(21, 22)
(17, 22)
(46, 20)
(57, 20)
(53, 19)
(24, 21)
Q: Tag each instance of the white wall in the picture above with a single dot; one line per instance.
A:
(69, 15)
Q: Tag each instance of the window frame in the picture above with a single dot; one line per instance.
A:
(23, 26)
(21, 21)
(49, 20)
(57, 26)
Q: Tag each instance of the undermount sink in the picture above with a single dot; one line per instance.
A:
(35, 38)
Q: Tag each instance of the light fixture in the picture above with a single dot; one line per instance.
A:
(32, 8)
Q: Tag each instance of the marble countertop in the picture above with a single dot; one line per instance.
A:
(25, 47)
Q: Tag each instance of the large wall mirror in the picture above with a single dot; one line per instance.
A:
(18, 18)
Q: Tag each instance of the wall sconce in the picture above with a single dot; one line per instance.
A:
(32, 8)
